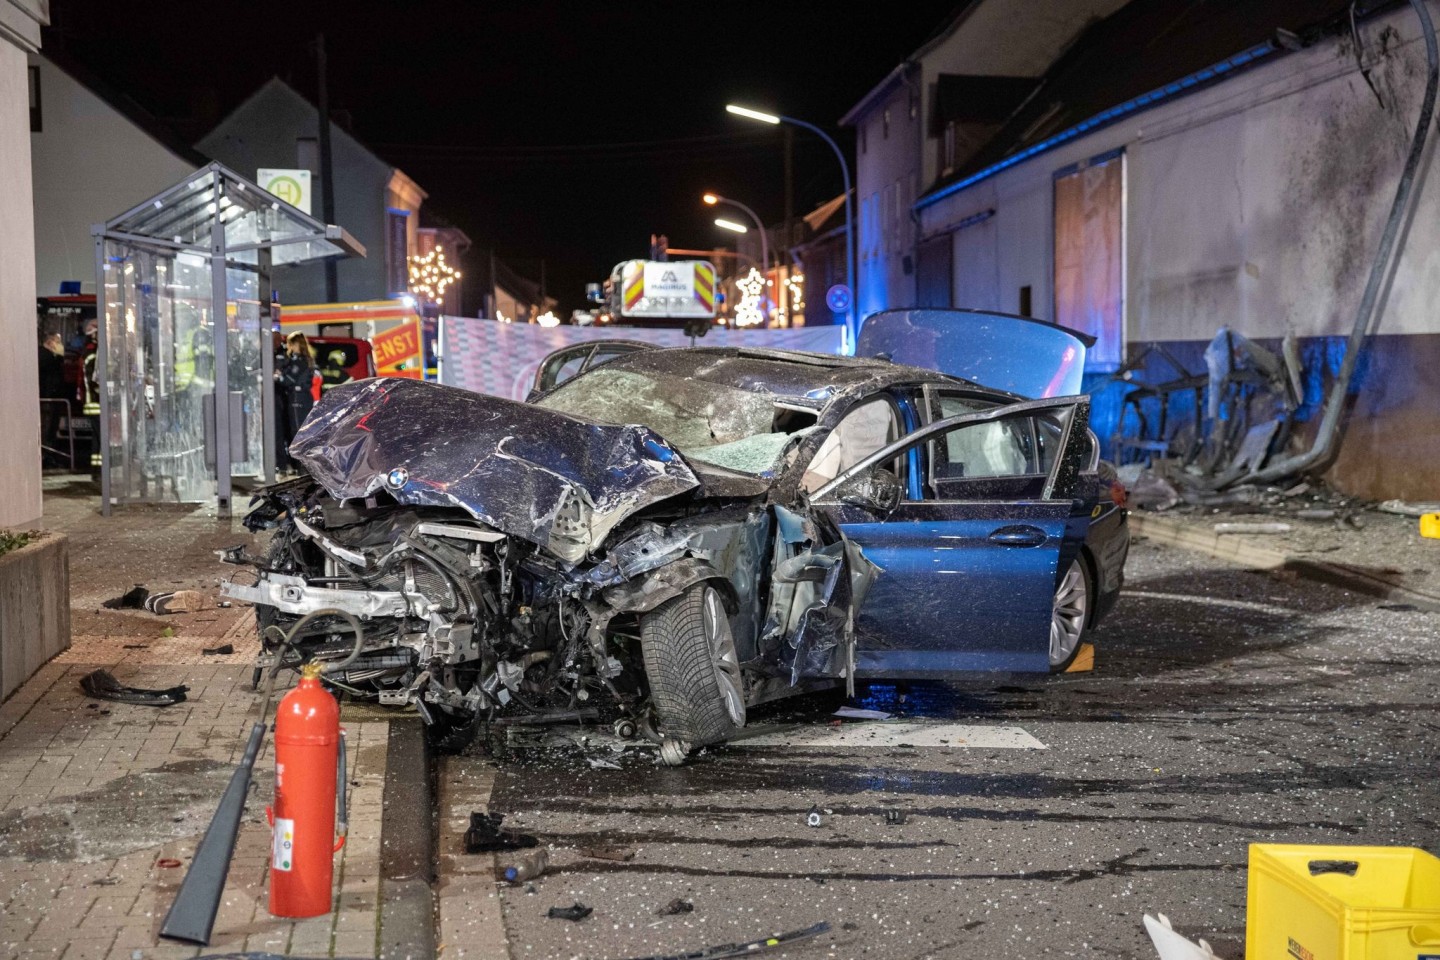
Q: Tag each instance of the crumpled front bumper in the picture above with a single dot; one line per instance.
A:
(293, 595)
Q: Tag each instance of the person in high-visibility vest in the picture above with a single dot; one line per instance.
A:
(295, 374)
(334, 373)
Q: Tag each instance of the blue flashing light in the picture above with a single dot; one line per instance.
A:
(1105, 118)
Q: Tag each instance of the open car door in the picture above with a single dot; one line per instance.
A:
(967, 572)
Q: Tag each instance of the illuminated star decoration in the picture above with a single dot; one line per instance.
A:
(748, 311)
(548, 319)
(430, 275)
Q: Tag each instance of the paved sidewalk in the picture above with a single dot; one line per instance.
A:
(102, 804)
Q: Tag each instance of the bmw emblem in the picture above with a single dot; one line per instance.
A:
(396, 478)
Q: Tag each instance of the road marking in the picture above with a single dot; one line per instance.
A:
(888, 733)
(1213, 602)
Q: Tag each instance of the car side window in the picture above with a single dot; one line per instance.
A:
(998, 459)
(865, 429)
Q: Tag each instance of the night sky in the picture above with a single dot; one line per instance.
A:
(568, 131)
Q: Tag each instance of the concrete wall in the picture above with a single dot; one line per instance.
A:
(34, 608)
(265, 131)
(1258, 203)
(19, 386)
(90, 164)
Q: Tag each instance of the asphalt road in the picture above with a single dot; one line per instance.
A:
(1228, 707)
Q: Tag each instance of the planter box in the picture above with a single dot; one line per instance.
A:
(34, 608)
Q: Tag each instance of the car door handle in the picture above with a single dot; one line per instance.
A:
(1020, 535)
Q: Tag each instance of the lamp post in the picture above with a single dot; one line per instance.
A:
(771, 118)
(713, 198)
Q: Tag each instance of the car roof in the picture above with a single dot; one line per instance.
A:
(794, 376)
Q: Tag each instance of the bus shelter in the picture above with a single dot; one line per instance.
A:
(186, 362)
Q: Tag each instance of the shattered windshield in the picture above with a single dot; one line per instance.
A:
(737, 429)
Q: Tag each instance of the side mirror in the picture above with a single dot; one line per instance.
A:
(877, 490)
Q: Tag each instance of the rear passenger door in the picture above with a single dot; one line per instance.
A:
(966, 568)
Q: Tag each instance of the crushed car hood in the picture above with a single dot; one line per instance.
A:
(558, 481)
(1019, 355)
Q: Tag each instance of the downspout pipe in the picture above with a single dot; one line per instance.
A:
(1322, 450)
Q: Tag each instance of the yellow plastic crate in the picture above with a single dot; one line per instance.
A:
(1342, 903)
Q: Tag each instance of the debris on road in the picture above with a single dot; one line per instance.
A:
(132, 599)
(1406, 509)
(751, 948)
(815, 817)
(530, 866)
(859, 713)
(485, 835)
(102, 685)
(576, 913)
(177, 601)
(1171, 945)
(676, 907)
(616, 854)
(1252, 528)
(224, 650)
(894, 818)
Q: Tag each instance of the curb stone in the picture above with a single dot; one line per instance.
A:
(1179, 534)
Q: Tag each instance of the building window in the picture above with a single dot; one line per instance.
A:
(1027, 302)
(862, 138)
(885, 124)
(35, 119)
(1090, 255)
(947, 148)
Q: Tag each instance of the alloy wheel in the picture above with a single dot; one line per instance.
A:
(724, 656)
(1067, 614)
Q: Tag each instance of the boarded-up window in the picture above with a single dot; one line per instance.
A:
(1090, 255)
(932, 281)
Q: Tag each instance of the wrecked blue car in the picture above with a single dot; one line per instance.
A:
(677, 535)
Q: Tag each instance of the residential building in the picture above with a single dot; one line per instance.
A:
(95, 154)
(277, 128)
(20, 23)
(932, 112)
(1176, 169)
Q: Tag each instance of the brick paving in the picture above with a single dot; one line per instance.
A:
(98, 798)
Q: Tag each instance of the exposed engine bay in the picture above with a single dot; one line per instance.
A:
(468, 624)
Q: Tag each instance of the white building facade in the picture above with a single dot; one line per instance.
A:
(20, 23)
(1255, 200)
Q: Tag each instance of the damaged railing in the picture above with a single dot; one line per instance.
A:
(1252, 395)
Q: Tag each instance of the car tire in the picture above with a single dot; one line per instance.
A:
(1070, 610)
(693, 668)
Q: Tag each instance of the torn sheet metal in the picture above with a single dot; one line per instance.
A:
(814, 592)
(558, 481)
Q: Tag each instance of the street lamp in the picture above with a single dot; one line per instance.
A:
(724, 224)
(714, 198)
(771, 118)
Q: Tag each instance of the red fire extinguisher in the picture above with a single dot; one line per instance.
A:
(309, 790)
